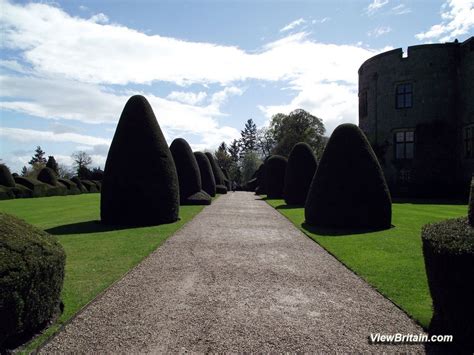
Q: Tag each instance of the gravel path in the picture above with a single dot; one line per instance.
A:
(238, 278)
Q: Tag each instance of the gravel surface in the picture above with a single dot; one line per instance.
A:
(238, 278)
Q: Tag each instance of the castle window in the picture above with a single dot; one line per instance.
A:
(404, 96)
(404, 145)
(363, 104)
(469, 141)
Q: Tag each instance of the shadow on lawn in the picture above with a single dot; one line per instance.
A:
(325, 231)
(85, 227)
(429, 201)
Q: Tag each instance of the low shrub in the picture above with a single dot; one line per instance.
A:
(299, 173)
(31, 277)
(48, 176)
(275, 176)
(90, 186)
(71, 186)
(6, 178)
(79, 184)
(448, 249)
(7, 193)
(37, 188)
(207, 176)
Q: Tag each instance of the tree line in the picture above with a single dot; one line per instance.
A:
(242, 156)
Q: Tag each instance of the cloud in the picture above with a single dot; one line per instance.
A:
(293, 24)
(457, 18)
(323, 20)
(99, 18)
(379, 31)
(190, 98)
(400, 9)
(375, 5)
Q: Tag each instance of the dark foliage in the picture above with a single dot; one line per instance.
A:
(90, 186)
(470, 214)
(349, 190)
(139, 197)
(251, 185)
(448, 249)
(189, 176)
(98, 184)
(97, 174)
(299, 173)
(48, 176)
(7, 193)
(79, 184)
(72, 188)
(38, 158)
(38, 188)
(207, 176)
(31, 278)
(275, 176)
(228, 183)
(52, 164)
(218, 175)
(6, 178)
(261, 184)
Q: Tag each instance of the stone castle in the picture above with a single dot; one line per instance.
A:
(417, 111)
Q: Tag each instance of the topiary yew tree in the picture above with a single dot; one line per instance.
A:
(189, 176)
(48, 176)
(275, 176)
(207, 176)
(145, 196)
(261, 184)
(6, 178)
(349, 190)
(299, 173)
(218, 175)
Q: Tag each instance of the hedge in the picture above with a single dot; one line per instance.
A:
(349, 190)
(189, 176)
(38, 188)
(207, 176)
(71, 186)
(6, 178)
(48, 176)
(448, 249)
(261, 184)
(79, 184)
(31, 277)
(144, 196)
(275, 176)
(299, 173)
(218, 175)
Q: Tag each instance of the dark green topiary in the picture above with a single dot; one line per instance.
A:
(90, 186)
(207, 176)
(349, 190)
(261, 184)
(189, 176)
(448, 249)
(98, 184)
(31, 277)
(71, 186)
(470, 214)
(38, 188)
(218, 175)
(299, 173)
(48, 176)
(7, 193)
(145, 196)
(228, 182)
(79, 184)
(275, 176)
(6, 178)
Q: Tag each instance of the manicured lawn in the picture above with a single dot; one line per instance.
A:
(96, 256)
(390, 260)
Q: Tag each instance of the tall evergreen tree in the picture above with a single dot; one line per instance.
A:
(38, 159)
(222, 156)
(52, 164)
(234, 169)
(248, 140)
(24, 171)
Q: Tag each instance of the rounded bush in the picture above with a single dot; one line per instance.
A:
(189, 176)
(448, 249)
(90, 186)
(470, 214)
(275, 176)
(261, 184)
(31, 277)
(218, 175)
(6, 178)
(72, 188)
(349, 190)
(79, 184)
(207, 176)
(37, 188)
(145, 196)
(48, 176)
(299, 173)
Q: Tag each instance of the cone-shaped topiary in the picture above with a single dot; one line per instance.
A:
(189, 176)
(261, 184)
(218, 175)
(349, 190)
(145, 196)
(48, 176)
(470, 214)
(6, 178)
(275, 176)
(31, 278)
(207, 176)
(299, 173)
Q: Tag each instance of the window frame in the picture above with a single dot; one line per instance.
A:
(404, 93)
(404, 142)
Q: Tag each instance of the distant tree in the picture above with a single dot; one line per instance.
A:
(234, 168)
(97, 173)
(248, 139)
(298, 126)
(65, 172)
(38, 161)
(250, 164)
(222, 156)
(52, 164)
(265, 142)
(24, 171)
(234, 151)
(82, 160)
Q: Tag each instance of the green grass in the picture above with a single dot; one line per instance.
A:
(95, 255)
(390, 260)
